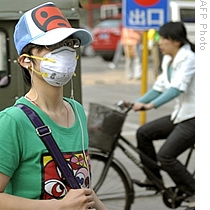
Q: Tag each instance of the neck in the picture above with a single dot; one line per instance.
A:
(47, 98)
(53, 105)
(175, 51)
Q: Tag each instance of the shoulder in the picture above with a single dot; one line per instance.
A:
(73, 102)
(15, 113)
(187, 51)
(12, 112)
(12, 119)
(77, 106)
(184, 53)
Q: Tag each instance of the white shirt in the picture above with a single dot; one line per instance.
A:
(182, 78)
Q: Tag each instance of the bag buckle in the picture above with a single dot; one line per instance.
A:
(43, 130)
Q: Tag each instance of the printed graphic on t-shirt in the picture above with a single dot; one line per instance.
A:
(53, 186)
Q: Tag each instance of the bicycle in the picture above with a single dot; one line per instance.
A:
(111, 180)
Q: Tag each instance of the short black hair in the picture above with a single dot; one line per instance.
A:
(28, 50)
(176, 31)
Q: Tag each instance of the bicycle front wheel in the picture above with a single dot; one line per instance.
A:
(114, 189)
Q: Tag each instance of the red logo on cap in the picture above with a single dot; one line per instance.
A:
(146, 3)
(49, 17)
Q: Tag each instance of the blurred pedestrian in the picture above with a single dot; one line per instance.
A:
(117, 55)
(131, 41)
(153, 39)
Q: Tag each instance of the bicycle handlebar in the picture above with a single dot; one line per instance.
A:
(122, 104)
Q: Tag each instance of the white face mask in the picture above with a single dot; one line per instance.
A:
(60, 67)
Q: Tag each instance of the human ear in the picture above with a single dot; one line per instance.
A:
(24, 61)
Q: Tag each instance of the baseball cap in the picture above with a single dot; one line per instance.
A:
(46, 25)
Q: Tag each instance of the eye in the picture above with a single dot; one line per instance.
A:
(55, 188)
(73, 43)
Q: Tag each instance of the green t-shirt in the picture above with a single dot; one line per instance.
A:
(25, 159)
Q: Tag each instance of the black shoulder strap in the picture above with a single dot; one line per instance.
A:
(44, 132)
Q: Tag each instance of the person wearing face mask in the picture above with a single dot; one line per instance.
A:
(29, 176)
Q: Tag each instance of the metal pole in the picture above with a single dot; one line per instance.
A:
(144, 74)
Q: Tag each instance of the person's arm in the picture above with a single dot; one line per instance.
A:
(145, 99)
(11, 202)
(165, 97)
(98, 204)
(80, 199)
(149, 96)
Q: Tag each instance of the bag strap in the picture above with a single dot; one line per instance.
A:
(44, 132)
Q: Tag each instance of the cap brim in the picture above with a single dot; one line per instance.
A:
(56, 35)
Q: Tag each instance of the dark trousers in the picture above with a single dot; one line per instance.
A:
(179, 137)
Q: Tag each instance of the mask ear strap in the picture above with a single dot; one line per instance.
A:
(40, 73)
(39, 58)
(34, 70)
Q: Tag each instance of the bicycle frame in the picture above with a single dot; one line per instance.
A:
(137, 161)
(172, 196)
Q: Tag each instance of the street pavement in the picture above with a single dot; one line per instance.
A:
(106, 86)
